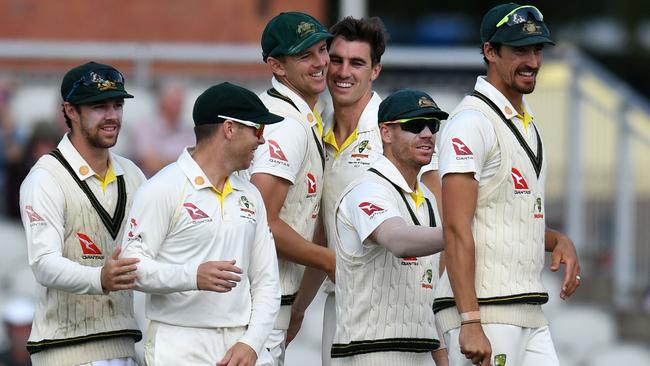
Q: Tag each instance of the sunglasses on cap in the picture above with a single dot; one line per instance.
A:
(259, 129)
(417, 124)
(105, 79)
(520, 15)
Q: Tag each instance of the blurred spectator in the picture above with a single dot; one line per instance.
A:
(159, 140)
(44, 137)
(17, 315)
(9, 134)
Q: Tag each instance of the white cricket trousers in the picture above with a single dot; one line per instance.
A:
(169, 345)
(521, 346)
(329, 329)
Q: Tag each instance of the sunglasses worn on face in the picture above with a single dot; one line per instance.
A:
(105, 79)
(259, 128)
(417, 124)
(520, 15)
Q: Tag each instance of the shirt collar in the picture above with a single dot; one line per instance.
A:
(367, 120)
(79, 164)
(389, 170)
(303, 107)
(197, 177)
(487, 89)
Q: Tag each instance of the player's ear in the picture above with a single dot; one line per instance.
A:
(385, 133)
(375, 72)
(276, 65)
(228, 129)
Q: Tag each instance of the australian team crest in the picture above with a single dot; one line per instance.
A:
(362, 146)
(531, 28)
(425, 102)
(103, 84)
(305, 28)
(246, 209)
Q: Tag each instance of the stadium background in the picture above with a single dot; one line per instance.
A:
(591, 106)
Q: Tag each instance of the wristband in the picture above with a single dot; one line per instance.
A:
(470, 315)
(470, 321)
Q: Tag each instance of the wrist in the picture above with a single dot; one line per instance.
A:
(470, 317)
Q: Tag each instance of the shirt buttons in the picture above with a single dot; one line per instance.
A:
(83, 170)
(199, 180)
(310, 118)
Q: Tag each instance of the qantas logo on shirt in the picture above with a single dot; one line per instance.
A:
(195, 212)
(409, 261)
(34, 218)
(460, 147)
(311, 184)
(89, 249)
(521, 187)
(275, 151)
(132, 225)
(370, 208)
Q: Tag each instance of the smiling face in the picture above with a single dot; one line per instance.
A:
(407, 149)
(513, 70)
(351, 73)
(248, 139)
(98, 123)
(303, 73)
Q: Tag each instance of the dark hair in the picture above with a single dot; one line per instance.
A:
(369, 30)
(497, 48)
(68, 121)
(205, 132)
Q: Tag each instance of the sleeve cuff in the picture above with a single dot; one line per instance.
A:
(96, 285)
(249, 340)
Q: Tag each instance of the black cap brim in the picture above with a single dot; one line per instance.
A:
(103, 96)
(424, 112)
(530, 41)
(267, 119)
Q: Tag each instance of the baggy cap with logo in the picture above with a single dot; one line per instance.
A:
(291, 33)
(515, 25)
(408, 104)
(229, 101)
(92, 82)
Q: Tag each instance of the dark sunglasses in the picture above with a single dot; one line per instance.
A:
(417, 124)
(103, 78)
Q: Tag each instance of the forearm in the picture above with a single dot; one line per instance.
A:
(161, 278)
(265, 296)
(294, 248)
(311, 282)
(55, 271)
(551, 238)
(461, 267)
(405, 240)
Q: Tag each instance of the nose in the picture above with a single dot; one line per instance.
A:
(534, 59)
(322, 60)
(260, 140)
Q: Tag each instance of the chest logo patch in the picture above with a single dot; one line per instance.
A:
(195, 212)
(521, 186)
(311, 184)
(89, 249)
(275, 151)
(370, 208)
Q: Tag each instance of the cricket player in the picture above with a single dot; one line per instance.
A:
(352, 142)
(493, 168)
(73, 205)
(288, 169)
(197, 225)
(387, 232)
